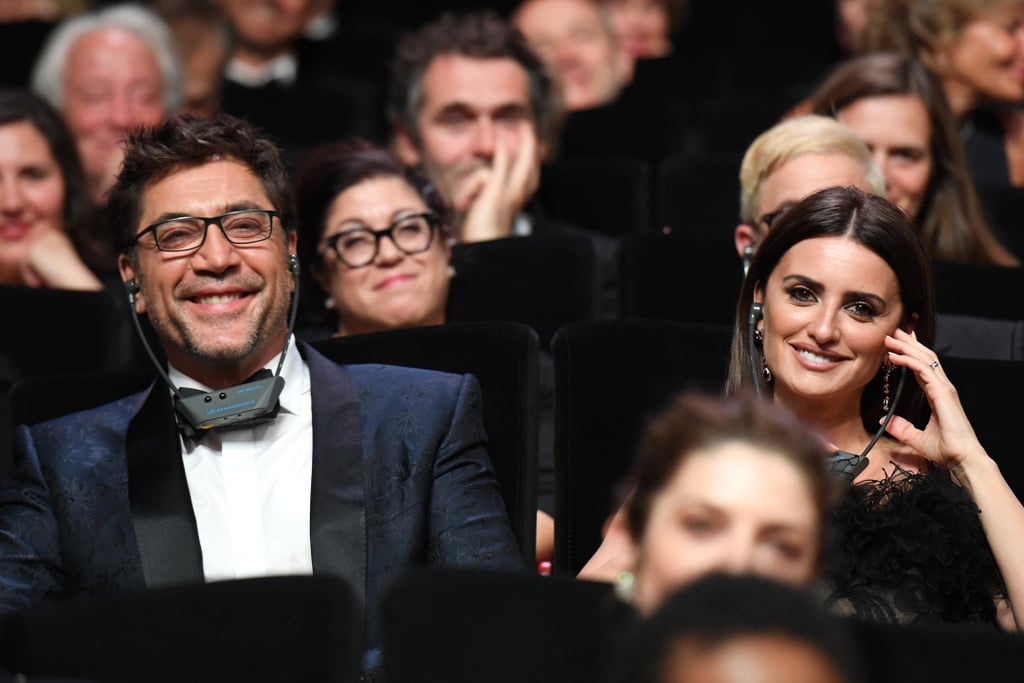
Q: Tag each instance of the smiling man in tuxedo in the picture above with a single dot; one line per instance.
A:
(357, 472)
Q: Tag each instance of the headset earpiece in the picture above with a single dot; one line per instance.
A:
(133, 288)
(756, 312)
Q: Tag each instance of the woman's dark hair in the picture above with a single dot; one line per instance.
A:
(950, 220)
(17, 106)
(873, 222)
(694, 421)
(327, 171)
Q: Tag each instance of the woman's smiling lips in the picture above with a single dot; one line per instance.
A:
(814, 358)
(13, 229)
(394, 280)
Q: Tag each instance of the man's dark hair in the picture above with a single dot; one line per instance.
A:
(478, 35)
(721, 608)
(154, 153)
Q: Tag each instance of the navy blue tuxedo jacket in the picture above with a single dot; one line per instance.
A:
(98, 501)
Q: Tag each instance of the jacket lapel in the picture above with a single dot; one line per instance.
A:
(165, 524)
(337, 516)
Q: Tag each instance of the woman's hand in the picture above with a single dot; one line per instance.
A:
(948, 439)
(51, 261)
(615, 555)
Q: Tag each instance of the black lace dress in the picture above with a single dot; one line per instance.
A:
(910, 549)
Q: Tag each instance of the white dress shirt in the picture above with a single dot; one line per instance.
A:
(250, 486)
(283, 68)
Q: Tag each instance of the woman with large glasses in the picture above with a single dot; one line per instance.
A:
(374, 235)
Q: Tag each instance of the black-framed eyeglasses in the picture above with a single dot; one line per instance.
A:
(768, 219)
(358, 247)
(186, 233)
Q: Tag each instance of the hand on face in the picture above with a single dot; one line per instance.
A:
(52, 261)
(488, 199)
(948, 439)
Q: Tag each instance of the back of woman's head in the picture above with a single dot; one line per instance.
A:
(695, 422)
(18, 106)
(950, 219)
(869, 220)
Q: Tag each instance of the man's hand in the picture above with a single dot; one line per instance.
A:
(487, 200)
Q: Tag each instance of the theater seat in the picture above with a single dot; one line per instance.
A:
(666, 275)
(467, 626)
(277, 629)
(542, 281)
(503, 356)
(990, 392)
(610, 377)
(611, 195)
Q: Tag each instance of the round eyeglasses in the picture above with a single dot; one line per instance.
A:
(358, 247)
(184, 233)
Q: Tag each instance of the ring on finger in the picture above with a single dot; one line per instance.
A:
(934, 365)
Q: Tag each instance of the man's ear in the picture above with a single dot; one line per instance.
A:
(745, 237)
(128, 275)
(405, 148)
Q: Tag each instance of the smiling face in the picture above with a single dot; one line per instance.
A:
(985, 61)
(112, 84)
(828, 305)
(898, 132)
(31, 195)
(578, 46)
(733, 507)
(267, 27)
(643, 26)
(396, 289)
(221, 311)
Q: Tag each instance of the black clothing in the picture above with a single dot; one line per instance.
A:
(910, 549)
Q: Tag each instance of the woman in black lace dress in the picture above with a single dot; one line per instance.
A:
(838, 304)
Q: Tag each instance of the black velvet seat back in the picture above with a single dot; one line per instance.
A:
(503, 357)
(610, 377)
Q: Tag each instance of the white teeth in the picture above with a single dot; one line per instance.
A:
(217, 299)
(809, 355)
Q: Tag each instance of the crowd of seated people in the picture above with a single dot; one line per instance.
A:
(865, 170)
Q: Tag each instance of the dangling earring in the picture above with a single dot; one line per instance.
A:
(759, 336)
(329, 303)
(451, 271)
(766, 374)
(886, 371)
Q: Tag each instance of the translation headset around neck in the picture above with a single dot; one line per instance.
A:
(252, 402)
